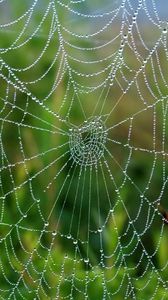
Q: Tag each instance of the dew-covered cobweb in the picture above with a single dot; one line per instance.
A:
(83, 149)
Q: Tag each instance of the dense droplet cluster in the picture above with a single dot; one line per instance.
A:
(87, 141)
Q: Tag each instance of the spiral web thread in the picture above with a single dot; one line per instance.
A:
(83, 99)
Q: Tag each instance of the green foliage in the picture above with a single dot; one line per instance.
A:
(65, 271)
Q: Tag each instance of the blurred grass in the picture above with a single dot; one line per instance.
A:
(139, 170)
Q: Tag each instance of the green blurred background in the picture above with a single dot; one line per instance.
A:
(25, 248)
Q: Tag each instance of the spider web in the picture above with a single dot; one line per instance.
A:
(83, 141)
